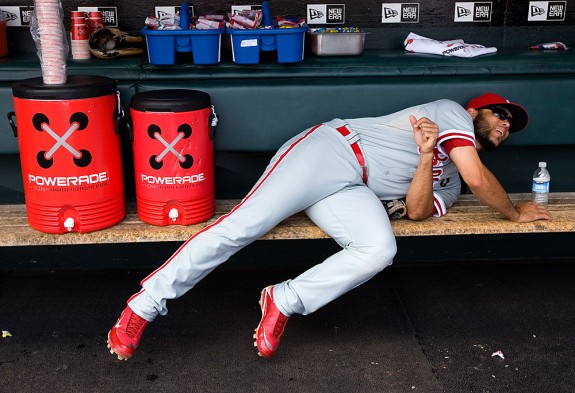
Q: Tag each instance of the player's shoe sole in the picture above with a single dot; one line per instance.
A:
(122, 353)
(125, 335)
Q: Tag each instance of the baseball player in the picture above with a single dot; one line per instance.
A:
(339, 173)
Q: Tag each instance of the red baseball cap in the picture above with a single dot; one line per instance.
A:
(519, 114)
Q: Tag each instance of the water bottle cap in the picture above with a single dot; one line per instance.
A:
(542, 164)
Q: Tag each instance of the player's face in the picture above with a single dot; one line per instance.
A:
(492, 127)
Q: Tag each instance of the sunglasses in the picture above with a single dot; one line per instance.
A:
(500, 112)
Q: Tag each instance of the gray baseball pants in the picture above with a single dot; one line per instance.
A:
(316, 171)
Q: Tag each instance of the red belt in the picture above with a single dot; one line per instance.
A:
(357, 150)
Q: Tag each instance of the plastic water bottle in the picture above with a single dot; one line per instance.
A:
(540, 185)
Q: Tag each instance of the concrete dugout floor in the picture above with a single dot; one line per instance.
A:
(419, 328)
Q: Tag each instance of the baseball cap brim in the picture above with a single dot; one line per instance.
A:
(519, 113)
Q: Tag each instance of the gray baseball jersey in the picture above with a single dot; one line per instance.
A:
(392, 155)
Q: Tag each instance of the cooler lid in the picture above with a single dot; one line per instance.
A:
(76, 87)
(172, 100)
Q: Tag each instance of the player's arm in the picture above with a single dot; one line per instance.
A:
(487, 188)
(419, 198)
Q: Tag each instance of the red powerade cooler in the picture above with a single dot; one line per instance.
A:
(70, 153)
(173, 156)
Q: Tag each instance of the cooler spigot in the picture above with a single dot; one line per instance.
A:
(69, 224)
(174, 214)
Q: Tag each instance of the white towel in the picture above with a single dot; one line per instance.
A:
(458, 48)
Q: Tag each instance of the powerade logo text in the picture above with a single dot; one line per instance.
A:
(68, 183)
(187, 181)
(400, 13)
(452, 49)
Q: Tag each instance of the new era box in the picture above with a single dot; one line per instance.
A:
(204, 45)
(288, 42)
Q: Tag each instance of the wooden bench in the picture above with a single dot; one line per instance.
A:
(467, 217)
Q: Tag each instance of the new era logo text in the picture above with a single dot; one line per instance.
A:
(17, 16)
(547, 11)
(109, 14)
(400, 13)
(325, 14)
(473, 12)
(335, 13)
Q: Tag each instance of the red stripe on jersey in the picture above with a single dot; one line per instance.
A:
(451, 143)
(256, 187)
(438, 207)
(455, 134)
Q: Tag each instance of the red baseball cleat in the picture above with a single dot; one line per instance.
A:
(125, 335)
(271, 327)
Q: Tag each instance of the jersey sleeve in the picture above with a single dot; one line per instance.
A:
(443, 199)
(439, 208)
(449, 144)
(455, 125)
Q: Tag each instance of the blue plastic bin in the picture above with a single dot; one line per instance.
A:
(247, 44)
(205, 45)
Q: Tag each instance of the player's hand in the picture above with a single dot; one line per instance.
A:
(531, 211)
(425, 132)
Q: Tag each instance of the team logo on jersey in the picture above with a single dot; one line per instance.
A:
(184, 132)
(325, 14)
(547, 11)
(400, 13)
(473, 12)
(78, 122)
(439, 159)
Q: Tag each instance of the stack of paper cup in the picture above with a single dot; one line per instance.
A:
(95, 21)
(79, 36)
(53, 50)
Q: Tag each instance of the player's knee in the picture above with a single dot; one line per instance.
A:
(383, 254)
(376, 256)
